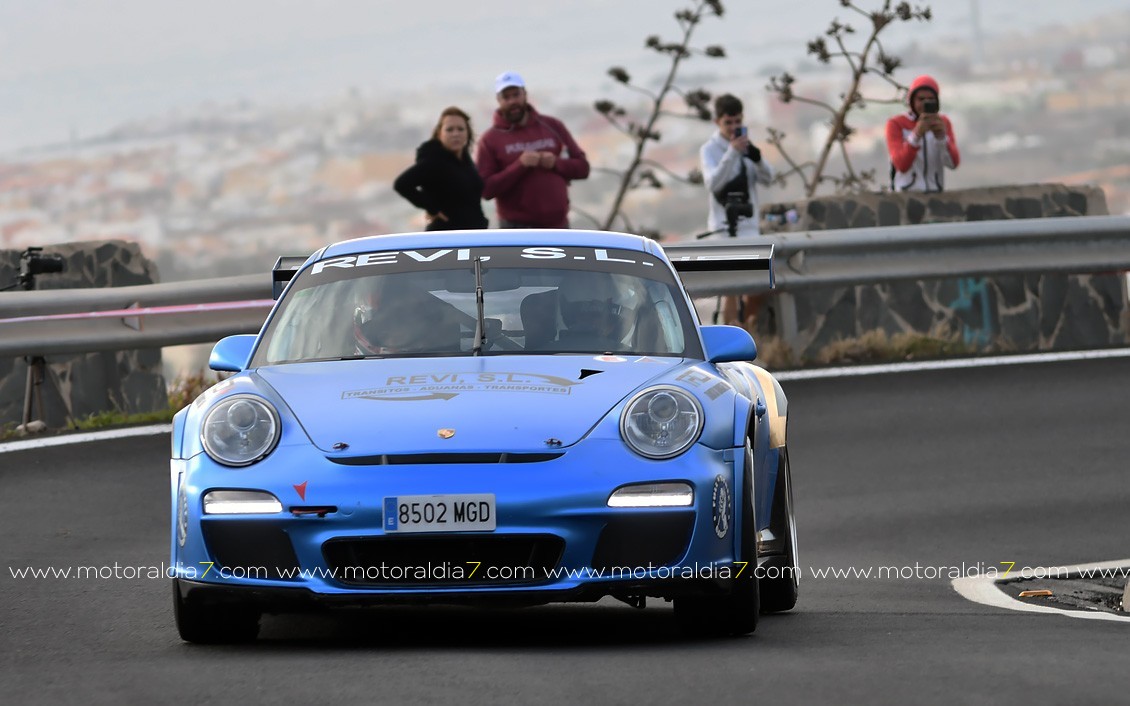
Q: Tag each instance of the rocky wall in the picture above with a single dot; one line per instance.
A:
(81, 385)
(1021, 313)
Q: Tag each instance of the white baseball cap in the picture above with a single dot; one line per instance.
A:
(506, 80)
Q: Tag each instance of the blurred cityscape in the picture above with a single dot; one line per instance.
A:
(224, 189)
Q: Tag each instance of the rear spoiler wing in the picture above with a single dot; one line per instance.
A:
(711, 269)
(284, 270)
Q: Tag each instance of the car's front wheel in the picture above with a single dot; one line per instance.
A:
(735, 614)
(780, 570)
(214, 623)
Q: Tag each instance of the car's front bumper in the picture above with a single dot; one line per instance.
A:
(563, 541)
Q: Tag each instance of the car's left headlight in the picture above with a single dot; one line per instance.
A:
(661, 422)
(240, 430)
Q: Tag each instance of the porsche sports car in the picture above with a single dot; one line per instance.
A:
(487, 417)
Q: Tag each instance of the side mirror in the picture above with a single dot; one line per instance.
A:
(232, 353)
(726, 344)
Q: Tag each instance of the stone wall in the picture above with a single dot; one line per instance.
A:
(1021, 313)
(129, 381)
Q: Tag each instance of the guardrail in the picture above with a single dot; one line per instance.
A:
(942, 250)
(63, 321)
(53, 322)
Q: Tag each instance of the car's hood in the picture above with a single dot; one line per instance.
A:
(490, 403)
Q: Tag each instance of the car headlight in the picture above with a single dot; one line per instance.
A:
(661, 422)
(239, 430)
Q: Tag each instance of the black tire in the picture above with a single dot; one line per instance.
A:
(214, 624)
(736, 613)
(780, 573)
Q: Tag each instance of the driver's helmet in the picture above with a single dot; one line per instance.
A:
(591, 305)
(395, 322)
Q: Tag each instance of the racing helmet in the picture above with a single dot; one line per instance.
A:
(591, 305)
(405, 321)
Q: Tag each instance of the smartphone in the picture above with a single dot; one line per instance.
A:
(741, 131)
(930, 107)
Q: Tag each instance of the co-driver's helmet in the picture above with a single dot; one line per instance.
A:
(590, 304)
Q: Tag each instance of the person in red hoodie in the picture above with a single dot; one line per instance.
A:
(527, 160)
(921, 141)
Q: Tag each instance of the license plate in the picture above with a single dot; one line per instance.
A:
(439, 513)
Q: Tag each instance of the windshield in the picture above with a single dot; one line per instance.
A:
(536, 301)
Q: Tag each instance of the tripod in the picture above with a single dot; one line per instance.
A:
(36, 374)
(731, 229)
(33, 263)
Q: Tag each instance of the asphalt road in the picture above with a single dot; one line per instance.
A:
(1024, 464)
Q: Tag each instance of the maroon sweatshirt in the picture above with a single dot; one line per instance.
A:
(532, 195)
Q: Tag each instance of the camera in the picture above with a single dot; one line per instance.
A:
(737, 206)
(741, 131)
(33, 262)
(930, 107)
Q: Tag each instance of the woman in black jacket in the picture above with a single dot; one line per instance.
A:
(444, 181)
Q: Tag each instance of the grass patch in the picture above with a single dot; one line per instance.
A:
(880, 347)
(872, 347)
(114, 418)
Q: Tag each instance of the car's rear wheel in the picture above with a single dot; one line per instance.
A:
(214, 624)
(780, 572)
(735, 614)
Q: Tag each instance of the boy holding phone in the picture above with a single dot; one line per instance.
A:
(921, 142)
(732, 168)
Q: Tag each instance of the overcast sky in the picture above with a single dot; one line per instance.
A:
(85, 65)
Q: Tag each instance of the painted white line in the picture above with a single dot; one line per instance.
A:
(984, 590)
(65, 439)
(951, 364)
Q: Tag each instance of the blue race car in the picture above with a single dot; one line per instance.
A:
(487, 417)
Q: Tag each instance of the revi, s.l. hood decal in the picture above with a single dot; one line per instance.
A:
(511, 403)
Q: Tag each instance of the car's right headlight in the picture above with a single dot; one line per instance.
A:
(240, 430)
(661, 422)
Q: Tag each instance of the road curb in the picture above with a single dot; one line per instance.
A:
(65, 439)
(987, 590)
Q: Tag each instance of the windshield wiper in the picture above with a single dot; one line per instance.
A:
(480, 321)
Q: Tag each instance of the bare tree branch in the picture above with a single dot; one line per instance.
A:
(847, 161)
(628, 227)
(684, 116)
(894, 84)
(871, 60)
(775, 139)
(668, 172)
(643, 132)
(618, 173)
(616, 124)
(811, 101)
(640, 89)
(584, 214)
(846, 54)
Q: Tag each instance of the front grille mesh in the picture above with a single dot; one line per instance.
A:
(443, 560)
(444, 458)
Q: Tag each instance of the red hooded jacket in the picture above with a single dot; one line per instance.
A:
(539, 197)
(919, 163)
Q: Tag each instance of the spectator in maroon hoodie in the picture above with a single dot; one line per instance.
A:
(527, 160)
